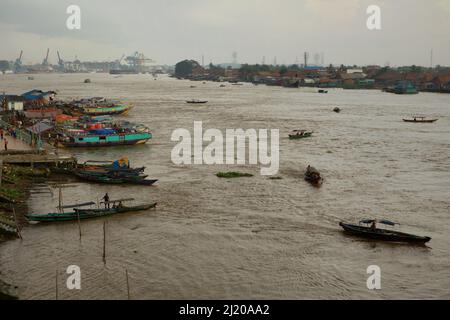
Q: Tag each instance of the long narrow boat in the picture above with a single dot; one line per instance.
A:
(113, 109)
(98, 140)
(381, 234)
(300, 134)
(87, 213)
(195, 101)
(420, 120)
(109, 179)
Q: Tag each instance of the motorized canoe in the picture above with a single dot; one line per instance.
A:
(300, 134)
(420, 120)
(195, 101)
(312, 175)
(381, 234)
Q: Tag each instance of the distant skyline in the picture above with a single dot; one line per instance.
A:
(172, 30)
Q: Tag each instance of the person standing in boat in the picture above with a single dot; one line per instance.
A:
(106, 200)
(374, 225)
(6, 144)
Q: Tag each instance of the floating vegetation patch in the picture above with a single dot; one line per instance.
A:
(233, 174)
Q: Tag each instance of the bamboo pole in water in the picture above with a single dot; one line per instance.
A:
(128, 284)
(79, 224)
(60, 200)
(17, 225)
(1, 171)
(56, 284)
(104, 242)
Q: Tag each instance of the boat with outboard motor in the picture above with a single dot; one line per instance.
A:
(372, 232)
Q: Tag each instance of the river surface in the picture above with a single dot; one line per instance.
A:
(256, 238)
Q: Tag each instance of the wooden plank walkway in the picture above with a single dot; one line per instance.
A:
(30, 159)
(22, 154)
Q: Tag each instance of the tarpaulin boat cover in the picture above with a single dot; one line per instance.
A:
(102, 131)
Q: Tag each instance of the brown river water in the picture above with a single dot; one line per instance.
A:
(254, 238)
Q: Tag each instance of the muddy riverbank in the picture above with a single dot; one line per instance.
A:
(14, 192)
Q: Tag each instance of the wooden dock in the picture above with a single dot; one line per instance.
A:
(37, 159)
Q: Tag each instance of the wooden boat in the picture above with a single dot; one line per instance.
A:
(300, 134)
(313, 176)
(104, 140)
(89, 213)
(417, 119)
(195, 101)
(113, 109)
(109, 167)
(337, 109)
(111, 179)
(42, 113)
(381, 234)
(322, 91)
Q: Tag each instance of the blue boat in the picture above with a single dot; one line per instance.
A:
(103, 138)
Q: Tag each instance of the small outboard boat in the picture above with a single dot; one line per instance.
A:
(372, 232)
(421, 119)
(195, 101)
(313, 176)
(300, 134)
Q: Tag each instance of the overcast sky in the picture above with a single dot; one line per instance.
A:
(171, 30)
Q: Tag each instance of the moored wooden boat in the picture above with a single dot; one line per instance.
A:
(111, 179)
(89, 213)
(42, 113)
(113, 109)
(104, 140)
(382, 234)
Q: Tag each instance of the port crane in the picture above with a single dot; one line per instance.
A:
(60, 61)
(45, 61)
(138, 60)
(18, 62)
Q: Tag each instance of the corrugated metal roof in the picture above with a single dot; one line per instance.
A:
(39, 127)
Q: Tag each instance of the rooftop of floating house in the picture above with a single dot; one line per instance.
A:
(37, 95)
(12, 97)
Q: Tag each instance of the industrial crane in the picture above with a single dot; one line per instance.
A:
(45, 61)
(18, 62)
(60, 61)
(137, 61)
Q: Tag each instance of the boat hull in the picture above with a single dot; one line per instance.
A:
(106, 141)
(381, 234)
(296, 137)
(86, 213)
(104, 111)
(420, 121)
(108, 179)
